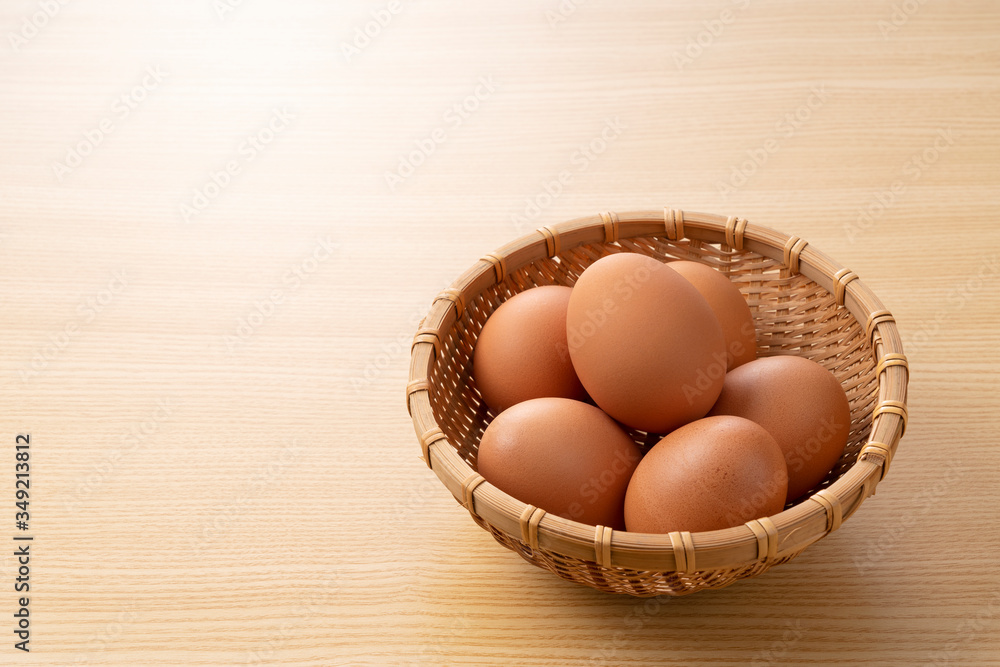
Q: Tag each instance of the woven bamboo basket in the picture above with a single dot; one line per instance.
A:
(803, 303)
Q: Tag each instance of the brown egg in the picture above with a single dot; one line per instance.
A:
(563, 456)
(714, 473)
(801, 404)
(521, 352)
(645, 344)
(729, 306)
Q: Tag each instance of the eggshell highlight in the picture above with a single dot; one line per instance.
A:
(730, 309)
(564, 456)
(645, 344)
(521, 353)
(801, 404)
(711, 474)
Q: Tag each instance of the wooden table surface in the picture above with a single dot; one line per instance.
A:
(223, 219)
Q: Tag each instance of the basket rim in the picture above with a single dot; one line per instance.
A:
(758, 541)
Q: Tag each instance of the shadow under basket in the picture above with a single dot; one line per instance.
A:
(803, 303)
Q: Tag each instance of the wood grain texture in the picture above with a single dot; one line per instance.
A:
(223, 468)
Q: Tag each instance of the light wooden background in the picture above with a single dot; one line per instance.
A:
(208, 492)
